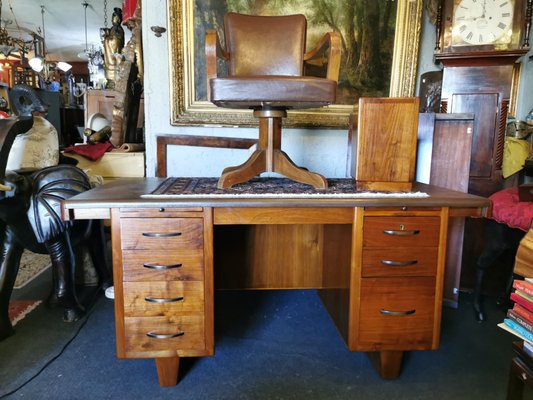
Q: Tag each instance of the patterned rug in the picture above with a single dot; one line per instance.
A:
(266, 187)
(18, 309)
(31, 266)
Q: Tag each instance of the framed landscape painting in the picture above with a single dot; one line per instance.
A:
(380, 40)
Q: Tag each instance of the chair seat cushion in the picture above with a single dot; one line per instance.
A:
(273, 91)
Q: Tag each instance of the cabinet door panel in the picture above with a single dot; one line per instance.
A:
(485, 108)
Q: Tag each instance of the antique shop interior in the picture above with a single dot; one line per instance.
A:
(266, 200)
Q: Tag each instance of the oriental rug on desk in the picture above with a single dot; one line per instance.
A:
(266, 187)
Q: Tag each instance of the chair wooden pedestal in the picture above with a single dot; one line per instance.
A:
(269, 157)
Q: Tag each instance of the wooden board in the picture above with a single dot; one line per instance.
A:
(386, 143)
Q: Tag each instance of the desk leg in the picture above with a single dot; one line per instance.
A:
(167, 370)
(388, 363)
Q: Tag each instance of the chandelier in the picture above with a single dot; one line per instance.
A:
(38, 63)
(94, 57)
(9, 44)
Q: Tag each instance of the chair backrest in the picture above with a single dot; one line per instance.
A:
(265, 45)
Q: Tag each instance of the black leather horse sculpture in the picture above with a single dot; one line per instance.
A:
(30, 210)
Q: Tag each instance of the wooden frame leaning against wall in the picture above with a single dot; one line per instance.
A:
(189, 105)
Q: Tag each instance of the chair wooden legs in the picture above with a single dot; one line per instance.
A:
(269, 158)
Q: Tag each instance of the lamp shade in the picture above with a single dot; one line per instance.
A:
(36, 63)
(63, 66)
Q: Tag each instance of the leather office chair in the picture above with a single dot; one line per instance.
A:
(266, 62)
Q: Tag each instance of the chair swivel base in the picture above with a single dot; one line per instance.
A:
(269, 157)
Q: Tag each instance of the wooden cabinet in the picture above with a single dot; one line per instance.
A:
(393, 299)
(163, 283)
(444, 158)
(102, 101)
(398, 285)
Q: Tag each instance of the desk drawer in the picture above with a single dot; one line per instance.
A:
(173, 334)
(170, 265)
(396, 313)
(399, 261)
(161, 233)
(144, 299)
(401, 231)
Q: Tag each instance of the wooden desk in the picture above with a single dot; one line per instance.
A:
(378, 264)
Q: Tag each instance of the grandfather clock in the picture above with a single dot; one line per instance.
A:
(479, 43)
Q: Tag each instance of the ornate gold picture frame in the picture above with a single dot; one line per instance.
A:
(186, 109)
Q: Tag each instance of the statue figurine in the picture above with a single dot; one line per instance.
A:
(113, 41)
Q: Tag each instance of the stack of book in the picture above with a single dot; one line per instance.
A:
(519, 319)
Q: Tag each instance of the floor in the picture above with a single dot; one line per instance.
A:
(269, 345)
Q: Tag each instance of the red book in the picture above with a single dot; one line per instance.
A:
(522, 301)
(528, 315)
(524, 286)
(519, 320)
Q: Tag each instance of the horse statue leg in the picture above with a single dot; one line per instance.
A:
(63, 275)
(10, 255)
(98, 250)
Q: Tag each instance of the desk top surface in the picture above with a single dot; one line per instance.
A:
(126, 193)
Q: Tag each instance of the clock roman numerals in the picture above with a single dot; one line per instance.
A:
(482, 22)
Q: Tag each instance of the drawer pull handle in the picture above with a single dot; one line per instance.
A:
(162, 267)
(397, 313)
(163, 300)
(401, 233)
(164, 335)
(154, 234)
(399, 263)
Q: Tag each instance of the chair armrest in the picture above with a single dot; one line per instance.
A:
(331, 41)
(213, 50)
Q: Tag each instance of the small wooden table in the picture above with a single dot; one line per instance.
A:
(378, 264)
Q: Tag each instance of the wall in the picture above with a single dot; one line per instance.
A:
(323, 151)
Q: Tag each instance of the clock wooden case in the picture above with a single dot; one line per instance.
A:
(478, 44)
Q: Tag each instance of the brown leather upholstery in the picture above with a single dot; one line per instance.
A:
(274, 91)
(266, 63)
(265, 45)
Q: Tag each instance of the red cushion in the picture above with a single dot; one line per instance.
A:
(508, 210)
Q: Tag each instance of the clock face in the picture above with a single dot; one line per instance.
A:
(482, 22)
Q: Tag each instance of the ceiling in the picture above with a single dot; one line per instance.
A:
(64, 23)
